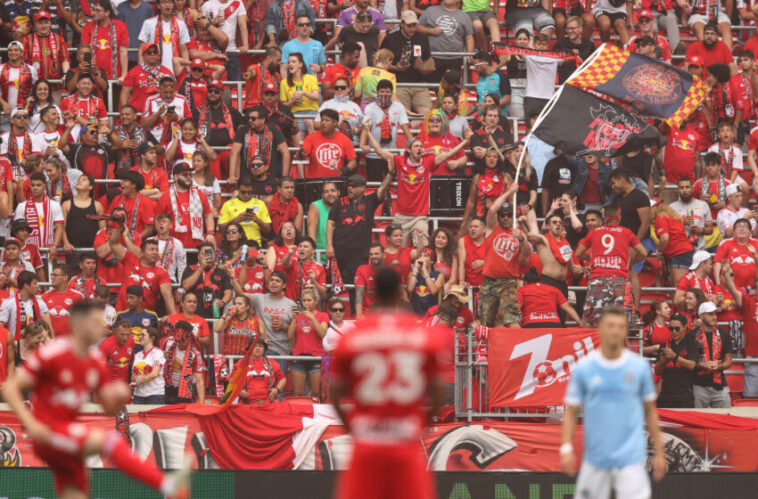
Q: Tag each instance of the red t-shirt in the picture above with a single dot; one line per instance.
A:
(731, 313)
(679, 155)
(501, 254)
(434, 145)
(691, 280)
(63, 380)
(655, 335)
(199, 325)
(91, 106)
(298, 275)
(155, 179)
(103, 49)
(678, 242)
(366, 276)
(118, 358)
(413, 183)
(400, 261)
(720, 54)
(258, 376)
(59, 305)
(473, 276)
(307, 341)
(255, 279)
(150, 278)
(334, 71)
(608, 248)
(198, 88)
(208, 46)
(539, 303)
(749, 311)
(110, 273)
(327, 155)
(6, 174)
(146, 211)
(143, 85)
(741, 260)
(713, 194)
(183, 215)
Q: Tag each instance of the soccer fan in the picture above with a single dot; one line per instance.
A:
(695, 214)
(14, 263)
(709, 385)
(49, 422)
(61, 182)
(148, 385)
(33, 336)
(133, 14)
(17, 144)
(617, 424)
(575, 41)
(284, 206)
(655, 330)
(312, 57)
(365, 280)
(208, 281)
(505, 250)
(258, 138)
(109, 39)
(24, 306)
(184, 372)
(86, 280)
(712, 187)
(85, 67)
(675, 363)
(203, 179)
(128, 139)
(484, 136)
(156, 179)
(318, 214)
(29, 252)
(118, 351)
(140, 211)
(282, 17)
(251, 275)
(267, 72)
(59, 300)
(673, 242)
(218, 122)
(172, 255)
(330, 152)
(278, 114)
(142, 80)
(16, 78)
(193, 85)
(437, 139)
(139, 267)
(450, 30)
(306, 333)
(646, 25)
(540, 303)
(155, 29)
(189, 209)
(185, 141)
(236, 327)
(362, 31)
(44, 216)
(44, 50)
(491, 81)
(135, 313)
(200, 328)
(164, 110)
(733, 211)
(740, 252)
(303, 271)
(234, 24)
(414, 171)
(395, 446)
(7, 355)
(709, 48)
(730, 154)
(92, 153)
(251, 213)
(264, 381)
(471, 251)
(275, 311)
(84, 106)
(608, 248)
(697, 278)
(348, 68)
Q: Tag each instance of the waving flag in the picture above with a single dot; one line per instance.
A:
(579, 123)
(650, 87)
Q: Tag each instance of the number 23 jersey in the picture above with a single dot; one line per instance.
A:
(387, 364)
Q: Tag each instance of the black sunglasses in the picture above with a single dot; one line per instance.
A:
(340, 87)
(677, 328)
(337, 309)
(303, 24)
(253, 118)
(257, 165)
(213, 89)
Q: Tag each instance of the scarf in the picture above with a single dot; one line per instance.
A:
(114, 46)
(127, 158)
(337, 290)
(288, 15)
(195, 211)
(185, 16)
(49, 63)
(705, 190)
(158, 35)
(258, 143)
(185, 378)
(61, 190)
(153, 74)
(280, 212)
(21, 312)
(133, 221)
(505, 49)
(185, 89)
(385, 130)
(79, 284)
(165, 258)
(489, 186)
(727, 160)
(30, 212)
(24, 80)
(716, 337)
(13, 151)
(206, 123)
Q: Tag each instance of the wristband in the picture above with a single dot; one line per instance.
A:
(566, 448)
(426, 276)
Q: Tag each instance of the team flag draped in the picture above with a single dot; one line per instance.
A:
(650, 87)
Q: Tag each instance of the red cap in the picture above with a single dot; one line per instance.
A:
(270, 87)
(149, 46)
(216, 84)
(197, 63)
(695, 60)
(645, 13)
(43, 14)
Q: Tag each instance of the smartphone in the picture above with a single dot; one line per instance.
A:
(171, 109)
(250, 210)
(208, 254)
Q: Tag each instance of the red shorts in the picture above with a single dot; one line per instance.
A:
(63, 454)
(386, 472)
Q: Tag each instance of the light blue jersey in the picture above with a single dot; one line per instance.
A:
(612, 393)
(312, 52)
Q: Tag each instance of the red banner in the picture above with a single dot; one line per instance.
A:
(530, 367)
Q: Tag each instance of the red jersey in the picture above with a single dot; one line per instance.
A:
(208, 46)
(741, 260)
(137, 219)
(199, 325)
(366, 276)
(608, 247)
(434, 145)
(259, 378)
(85, 287)
(143, 84)
(501, 254)
(150, 278)
(720, 54)
(59, 305)
(5, 337)
(46, 54)
(255, 279)
(679, 154)
(91, 106)
(307, 341)
(63, 380)
(473, 253)
(108, 269)
(710, 192)
(691, 280)
(400, 261)
(118, 358)
(327, 155)
(157, 178)
(678, 243)
(182, 216)
(742, 93)
(198, 89)
(103, 45)
(298, 275)
(387, 362)
(29, 253)
(413, 182)
(339, 70)
(254, 86)
(749, 312)
(539, 303)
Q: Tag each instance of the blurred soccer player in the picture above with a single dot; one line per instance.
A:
(61, 376)
(616, 388)
(388, 367)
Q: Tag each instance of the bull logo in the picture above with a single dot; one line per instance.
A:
(10, 457)
(610, 129)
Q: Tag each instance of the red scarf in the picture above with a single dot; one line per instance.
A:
(288, 13)
(158, 36)
(47, 61)
(186, 377)
(21, 312)
(65, 191)
(206, 123)
(32, 217)
(185, 89)
(490, 185)
(24, 80)
(13, 151)
(280, 212)
(716, 337)
(168, 254)
(258, 143)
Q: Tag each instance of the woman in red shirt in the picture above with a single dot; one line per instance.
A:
(540, 303)
(282, 254)
(672, 240)
(693, 298)
(445, 259)
(265, 380)
(395, 255)
(184, 144)
(307, 331)
(656, 331)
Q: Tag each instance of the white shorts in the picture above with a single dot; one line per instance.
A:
(629, 482)
(701, 18)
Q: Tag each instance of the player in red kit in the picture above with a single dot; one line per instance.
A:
(61, 375)
(389, 367)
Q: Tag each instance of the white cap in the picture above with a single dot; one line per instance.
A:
(706, 308)
(17, 110)
(699, 257)
(732, 189)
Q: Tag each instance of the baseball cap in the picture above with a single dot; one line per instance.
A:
(645, 13)
(732, 189)
(216, 84)
(182, 168)
(17, 110)
(167, 76)
(149, 46)
(356, 179)
(699, 257)
(17, 44)
(270, 87)
(12, 240)
(459, 291)
(707, 308)
(507, 207)
(695, 60)
(409, 17)
(143, 147)
(197, 63)
(43, 14)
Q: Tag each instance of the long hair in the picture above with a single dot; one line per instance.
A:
(649, 316)
(699, 296)
(208, 177)
(299, 57)
(226, 246)
(664, 209)
(50, 100)
(279, 240)
(449, 251)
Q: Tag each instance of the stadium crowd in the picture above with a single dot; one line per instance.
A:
(221, 170)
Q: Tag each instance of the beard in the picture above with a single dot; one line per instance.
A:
(686, 197)
(709, 44)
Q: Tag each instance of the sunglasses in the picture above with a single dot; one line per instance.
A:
(677, 328)
(253, 118)
(303, 24)
(337, 309)
(257, 165)
(232, 231)
(22, 116)
(340, 87)
(244, 193)
(435, 120)
(505, 215)
(214, 90)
